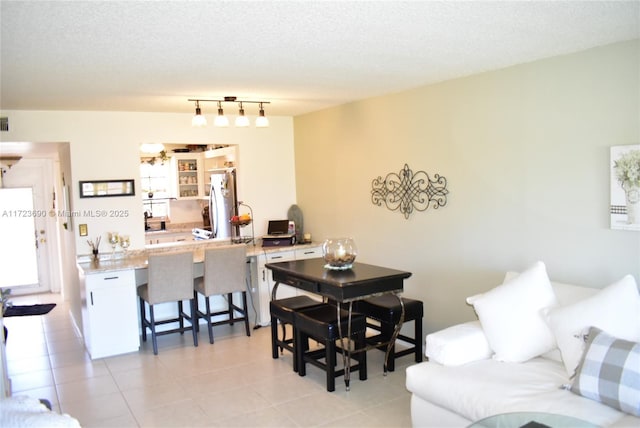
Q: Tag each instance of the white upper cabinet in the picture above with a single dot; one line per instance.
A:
(189, 175)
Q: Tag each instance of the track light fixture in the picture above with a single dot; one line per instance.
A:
(222, 121)
(261, 120)
(242, 121)
(198, 120)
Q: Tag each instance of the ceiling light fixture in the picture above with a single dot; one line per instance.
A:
(198, 120)
(222, 121)
(242, 121)
(261, 120)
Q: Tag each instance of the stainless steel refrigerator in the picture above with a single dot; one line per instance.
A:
(223, 203)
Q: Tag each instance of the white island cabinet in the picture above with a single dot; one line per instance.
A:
(109, 312)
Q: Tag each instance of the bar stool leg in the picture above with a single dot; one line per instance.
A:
(274, 334)
(153, 330)
(330, 359)
(230, 297)
(180, 319)
(299, 353)
(418, 339)
(208, 317)
(362, 355)
(194, 316)
(245, 307)
(143, 317)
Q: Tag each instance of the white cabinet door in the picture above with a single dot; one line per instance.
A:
(189, 175)
(265, 282)
(110, 316)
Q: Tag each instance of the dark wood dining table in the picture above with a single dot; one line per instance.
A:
(343, 286)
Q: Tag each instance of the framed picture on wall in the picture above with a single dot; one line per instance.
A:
(104, 188)
(625, 187)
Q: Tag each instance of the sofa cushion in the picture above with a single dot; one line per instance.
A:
(610, 372)
(570, 323)
(488, 387)
(458, 344)
(511, 315)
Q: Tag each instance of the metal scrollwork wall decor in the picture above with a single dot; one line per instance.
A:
(406, 191)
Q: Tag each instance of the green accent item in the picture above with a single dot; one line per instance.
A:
(295, 214)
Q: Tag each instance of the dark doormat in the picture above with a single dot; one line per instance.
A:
(24, 310)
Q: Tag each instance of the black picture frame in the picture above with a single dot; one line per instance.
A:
(107, 188)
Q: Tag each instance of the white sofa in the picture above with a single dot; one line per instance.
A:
(463, 382)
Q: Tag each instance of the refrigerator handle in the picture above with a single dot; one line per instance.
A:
(213, 211)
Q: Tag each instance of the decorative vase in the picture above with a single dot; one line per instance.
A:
(339, 253)
(632, 195)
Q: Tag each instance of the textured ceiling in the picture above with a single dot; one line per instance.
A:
(300, 55)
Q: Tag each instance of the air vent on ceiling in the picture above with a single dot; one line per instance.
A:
(4, 124)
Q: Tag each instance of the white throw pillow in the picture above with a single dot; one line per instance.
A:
(457, 345)
(511, 315)
(613, 309)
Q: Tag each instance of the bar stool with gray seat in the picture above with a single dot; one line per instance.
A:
(170, 279)
(225, 272)
(321, 324)
(386, 310)
(281, 311)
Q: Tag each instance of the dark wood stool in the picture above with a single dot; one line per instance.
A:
(321, 324)
(282, 310)
(386, 310)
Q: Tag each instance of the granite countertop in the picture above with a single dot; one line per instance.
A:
(138, 259)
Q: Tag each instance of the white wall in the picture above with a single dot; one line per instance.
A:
(105, 145)
(525, 151)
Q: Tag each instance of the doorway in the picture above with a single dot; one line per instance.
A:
(33, 176)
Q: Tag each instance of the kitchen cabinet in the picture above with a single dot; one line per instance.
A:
(264, 282)
(216, 160)
(189, 175)
(165, 237)
(109, 313)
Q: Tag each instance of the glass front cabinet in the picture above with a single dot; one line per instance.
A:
(188, 175)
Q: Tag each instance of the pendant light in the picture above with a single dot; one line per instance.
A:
(221, 119)
(198, 120)
(261, 120)
(242, 121)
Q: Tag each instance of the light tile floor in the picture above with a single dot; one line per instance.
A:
(233, 382)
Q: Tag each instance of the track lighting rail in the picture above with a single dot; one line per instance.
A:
(221, 120)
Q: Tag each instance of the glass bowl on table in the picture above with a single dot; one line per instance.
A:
(339, 253)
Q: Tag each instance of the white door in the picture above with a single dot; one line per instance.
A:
(18, 254)
(30, 173)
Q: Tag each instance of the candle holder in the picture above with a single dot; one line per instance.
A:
(339, 253)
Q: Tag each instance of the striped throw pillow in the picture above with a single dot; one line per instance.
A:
(610, 372)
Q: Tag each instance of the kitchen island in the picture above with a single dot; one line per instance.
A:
(110, 319)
